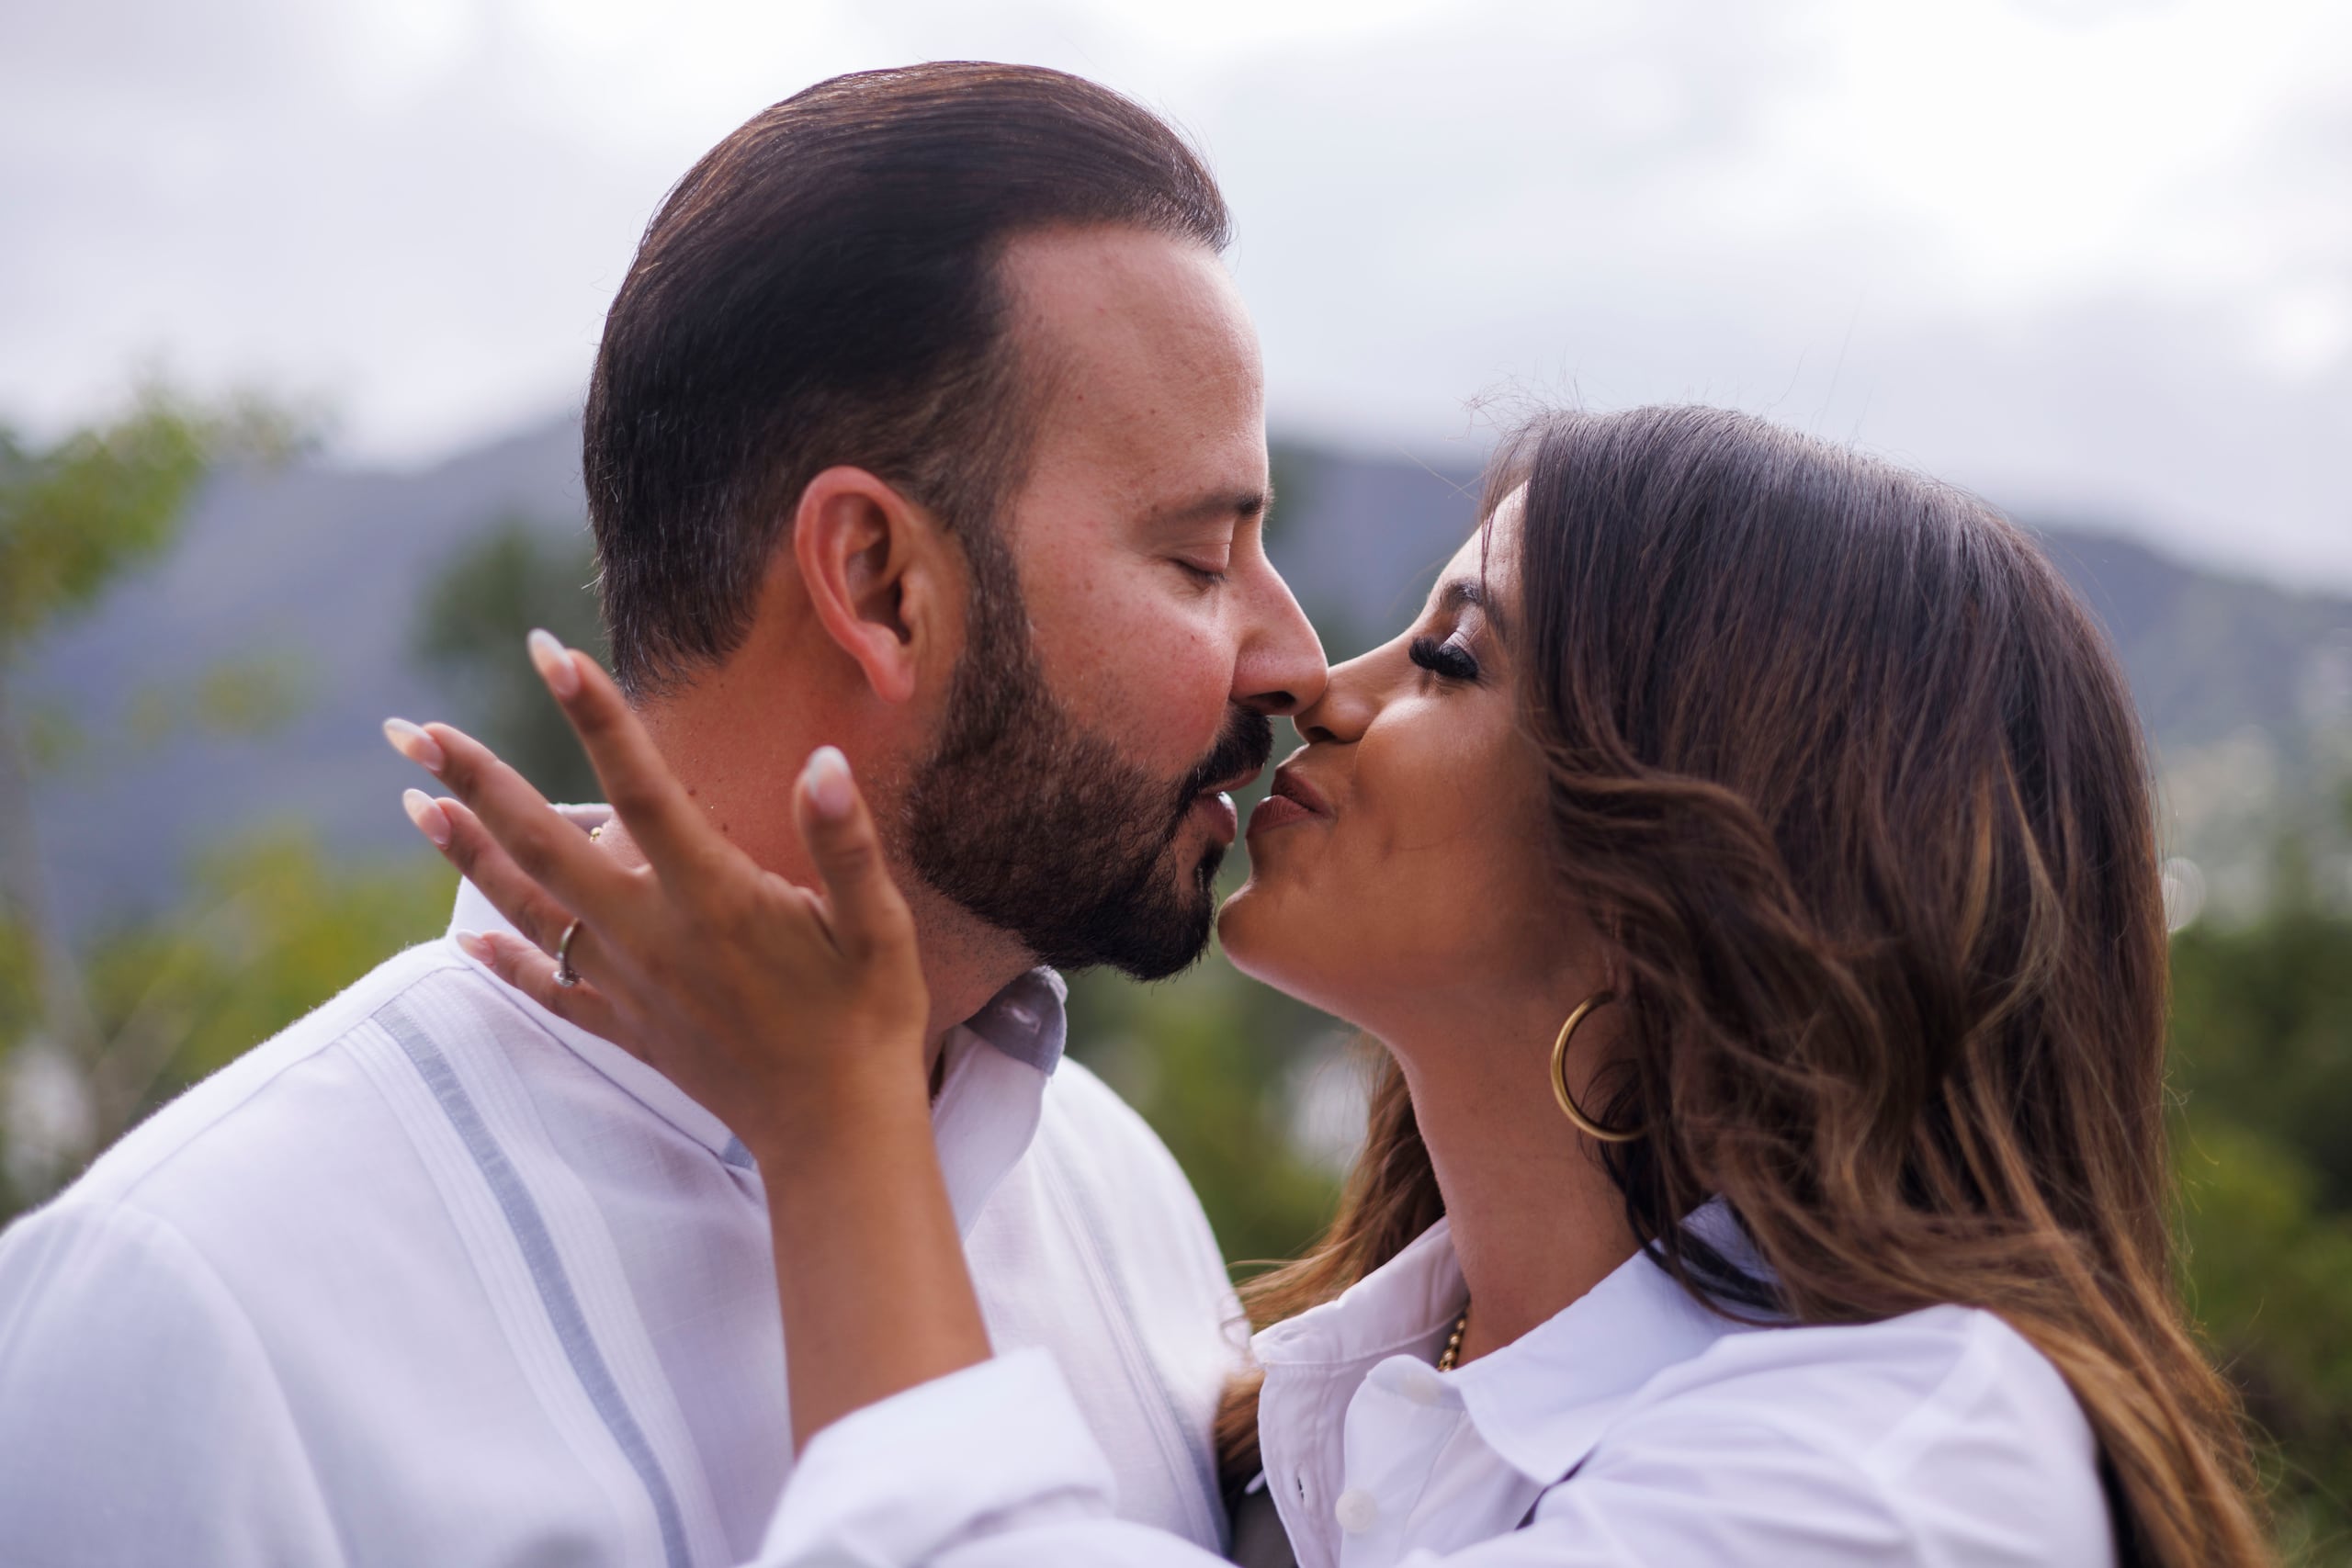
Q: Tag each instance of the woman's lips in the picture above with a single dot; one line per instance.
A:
(1273, 812)
(1293, 800)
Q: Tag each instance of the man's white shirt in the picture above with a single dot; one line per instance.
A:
(435, 1276)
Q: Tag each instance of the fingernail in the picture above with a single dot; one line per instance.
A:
(426, 813)
(829, 786)
(473, 945)
(555, 663)
(414, 744)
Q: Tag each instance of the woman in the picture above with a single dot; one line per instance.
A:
(1747, 860)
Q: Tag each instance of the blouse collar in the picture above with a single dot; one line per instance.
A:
(1539, 1402)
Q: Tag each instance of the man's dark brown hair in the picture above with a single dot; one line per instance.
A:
(822, 289)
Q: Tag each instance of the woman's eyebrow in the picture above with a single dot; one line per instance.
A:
(1469, 591)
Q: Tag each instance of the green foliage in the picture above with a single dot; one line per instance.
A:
(1210, 1059)
(237, 699)
(2262, 1024)
(75, 515)
(20, 990)
(268, 930)
(250, 697)
(2270, 1272)
(53, 739)
(469, 631)
(2262, 1056)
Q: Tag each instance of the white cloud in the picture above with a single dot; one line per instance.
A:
(2090, 252)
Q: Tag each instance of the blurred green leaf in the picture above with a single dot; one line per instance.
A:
(251, 697)
(2262, 1059)
(54, 737)
(269, 928)
(75, 515)
(469, 632)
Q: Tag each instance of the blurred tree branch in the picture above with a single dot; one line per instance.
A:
(76, 516)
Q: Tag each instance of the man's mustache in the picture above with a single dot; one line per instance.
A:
(1244, 746)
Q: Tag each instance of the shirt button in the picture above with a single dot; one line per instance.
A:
(1357, 1511)
(1422, 1387)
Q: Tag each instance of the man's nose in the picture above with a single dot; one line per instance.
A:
(1281, 668)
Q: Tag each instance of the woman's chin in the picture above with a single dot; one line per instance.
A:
(1262, 938)
(1277, 944)
(1241, 929)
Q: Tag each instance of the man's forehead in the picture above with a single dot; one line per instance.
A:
(1121, 322)
(1148, 373)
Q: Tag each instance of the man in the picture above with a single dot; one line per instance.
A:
(928, 424)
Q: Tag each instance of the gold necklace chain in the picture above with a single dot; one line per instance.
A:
(1452, 1352)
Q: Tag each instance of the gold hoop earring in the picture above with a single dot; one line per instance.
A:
(1569, 1107)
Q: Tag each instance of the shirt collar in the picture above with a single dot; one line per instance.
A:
(1541, 1402)
(990, 1101)
(1394, 1310)
(1028, 1020)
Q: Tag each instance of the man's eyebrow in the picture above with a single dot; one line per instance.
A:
(1213, 508)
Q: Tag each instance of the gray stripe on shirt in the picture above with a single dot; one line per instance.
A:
(538, 1245)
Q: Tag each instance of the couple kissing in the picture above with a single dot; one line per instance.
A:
(1745, 858)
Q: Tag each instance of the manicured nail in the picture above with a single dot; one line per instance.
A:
(829, 786)
(426, 813)
(554, 660)
(474, 945)
(414, 744)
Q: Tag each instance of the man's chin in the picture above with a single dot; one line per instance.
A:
(1169, 938)
(1149, 932)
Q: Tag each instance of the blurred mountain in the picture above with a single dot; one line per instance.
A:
(317, 573)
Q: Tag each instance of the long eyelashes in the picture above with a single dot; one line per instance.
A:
(1447, 659)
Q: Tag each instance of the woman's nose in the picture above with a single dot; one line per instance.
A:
(1349, 699)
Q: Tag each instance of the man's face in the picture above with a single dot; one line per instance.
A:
(1073, 797)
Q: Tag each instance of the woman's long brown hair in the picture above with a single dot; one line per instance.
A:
(1855, 788)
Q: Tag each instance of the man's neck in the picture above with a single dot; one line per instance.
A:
(965, 963)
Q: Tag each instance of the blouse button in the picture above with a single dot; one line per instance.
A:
(1357, 1510)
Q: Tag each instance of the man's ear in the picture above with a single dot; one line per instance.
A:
(884, 578)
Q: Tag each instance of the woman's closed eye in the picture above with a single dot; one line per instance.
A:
(1451, 659)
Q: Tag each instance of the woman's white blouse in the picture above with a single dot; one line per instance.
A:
(1635, 1427)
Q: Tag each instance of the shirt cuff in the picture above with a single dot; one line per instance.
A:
(994, 1447)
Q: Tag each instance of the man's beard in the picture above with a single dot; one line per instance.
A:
(1043, 829)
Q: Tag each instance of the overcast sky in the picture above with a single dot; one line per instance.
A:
(2092, 257)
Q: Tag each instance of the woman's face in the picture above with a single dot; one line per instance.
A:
(1399, 862)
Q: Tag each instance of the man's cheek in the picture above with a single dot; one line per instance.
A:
(1166, 683)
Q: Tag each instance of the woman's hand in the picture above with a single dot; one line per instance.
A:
(773, 1005)
(797, 1017)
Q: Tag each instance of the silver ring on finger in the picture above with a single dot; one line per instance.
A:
(565, 975)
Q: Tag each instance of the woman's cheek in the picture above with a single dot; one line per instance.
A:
(1463, 831)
